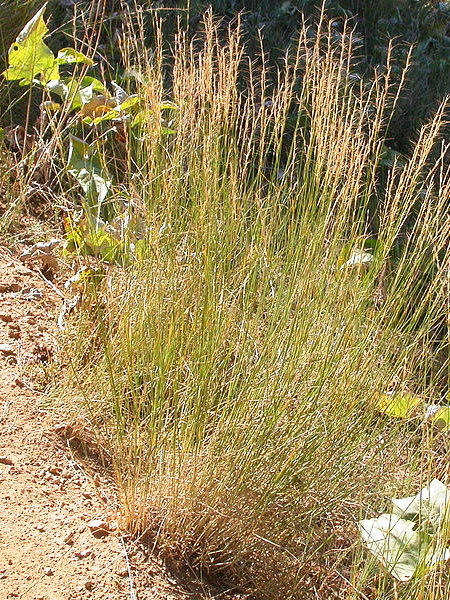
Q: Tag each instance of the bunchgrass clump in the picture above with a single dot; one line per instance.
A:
(287, 278)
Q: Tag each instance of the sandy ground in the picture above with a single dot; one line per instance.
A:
(49, 548)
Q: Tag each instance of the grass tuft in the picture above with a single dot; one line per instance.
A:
(233, 369)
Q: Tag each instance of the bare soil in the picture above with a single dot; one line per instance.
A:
(48, 495)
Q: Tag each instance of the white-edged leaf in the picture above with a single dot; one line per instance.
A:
(395, 543)
(120, 94)
(358, 258)
(429, 506)
(70, 56)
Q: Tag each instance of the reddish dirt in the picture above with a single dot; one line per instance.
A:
(47, 495)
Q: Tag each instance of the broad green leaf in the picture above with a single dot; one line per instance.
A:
(441, 418)
(99, 241)
(358, 258)
(60, 87)
(140, 118)
(86, 168)
(428, 508)
(29, 56)
(82, 95)
(77, 93)
(36, 25)
(168, 106)
(400, 406)
(109, 115)
(121, 95)
(78, 152)
(130, 102)
(359, 251)
(402, 548)
(69, 56)
(395, 543)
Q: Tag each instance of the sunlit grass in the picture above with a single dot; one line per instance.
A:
(232, 371)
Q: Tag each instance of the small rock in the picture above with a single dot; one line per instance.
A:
(89, 585)
(7, 318)
(83, 553)
(7, 350)
(4, 460)
(69, 538)
(40, 528)
(9, 287)
(48, 571)
(98, 527)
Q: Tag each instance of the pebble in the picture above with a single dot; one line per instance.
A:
(69, 539)
(9, 287)
(98, 527)
(88, 585)
(4, 460)
(6, 350)
(7, 318)
(83, 553)
(48, 571)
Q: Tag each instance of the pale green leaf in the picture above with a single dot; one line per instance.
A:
(77, 93)
(130, 102)
(408, 542)
(395, 543)
(86, 168)
(29, 56)
(69, 56)
(429, 506)
(400, 406)
(441, 418)
(168, 106)
(107, 116)
(36, 25)
(358, 258)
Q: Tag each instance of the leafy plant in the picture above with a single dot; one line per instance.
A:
(30, 60)
(412, 539)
